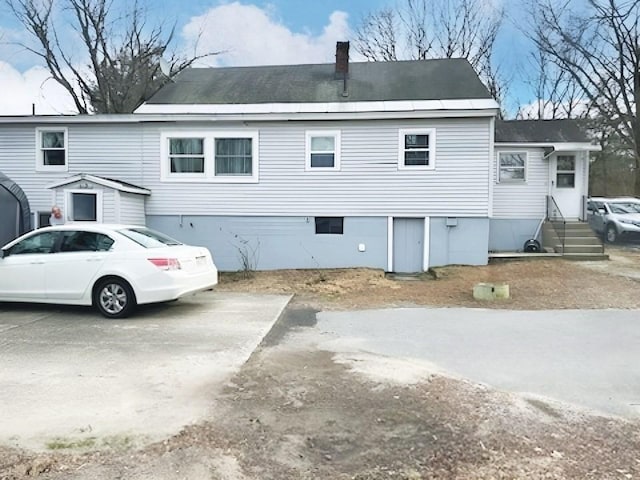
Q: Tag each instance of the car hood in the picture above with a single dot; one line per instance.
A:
(635, 217)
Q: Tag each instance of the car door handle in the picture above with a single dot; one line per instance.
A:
(93, 259)
(37, 262)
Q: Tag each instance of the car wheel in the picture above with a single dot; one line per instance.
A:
(114, 298)
(611, 233)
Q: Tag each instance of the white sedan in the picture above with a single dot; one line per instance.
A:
(113, 267)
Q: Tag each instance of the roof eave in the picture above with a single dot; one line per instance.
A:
(100, 181)
(557, 146)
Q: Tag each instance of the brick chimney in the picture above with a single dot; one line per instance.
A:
(342, 59)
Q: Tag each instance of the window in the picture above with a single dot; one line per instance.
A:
(52, 149)
(79, 241)
(186, 155)
(83, 205)
(565, 171)
(329, 225)
(512, 167)
(233, 156)
(38, 243)
(209, 156)
(322, 150)
(148, 238)
(417, 149)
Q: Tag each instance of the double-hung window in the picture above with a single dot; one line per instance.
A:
(417, 149)
(209, 156)
(51, 149)
(234, 156)
(322, 150)
(512, 167)
(186, 155)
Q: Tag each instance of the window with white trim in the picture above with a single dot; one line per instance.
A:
(512, 167)
(51, 144)
(186, 155)
(209, 156)
(417, 149)
(322, 150)
(234, 156)
(83, 205)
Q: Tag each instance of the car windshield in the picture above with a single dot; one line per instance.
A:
(624, 207)
(148, 238)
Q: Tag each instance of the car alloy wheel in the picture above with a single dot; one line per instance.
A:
(612, 233)
(114, 298)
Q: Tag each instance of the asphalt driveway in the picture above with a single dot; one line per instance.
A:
(69, 376)
(585, 358)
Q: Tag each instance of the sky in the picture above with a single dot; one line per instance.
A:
(248, 32)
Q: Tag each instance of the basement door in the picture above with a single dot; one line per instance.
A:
(408, 247)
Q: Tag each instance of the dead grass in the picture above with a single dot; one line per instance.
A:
(533, 284)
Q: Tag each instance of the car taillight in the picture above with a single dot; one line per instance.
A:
(166, 263)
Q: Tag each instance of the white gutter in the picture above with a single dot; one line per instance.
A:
(321, 107)
(557, 146)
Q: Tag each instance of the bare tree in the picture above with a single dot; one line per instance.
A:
(113, 64)
(422, 29)
(599, 47)
(557, 95)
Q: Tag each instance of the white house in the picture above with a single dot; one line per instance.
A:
(386, 165)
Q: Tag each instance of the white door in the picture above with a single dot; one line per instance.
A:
(566, 184)
(70, 272)
(22, 267)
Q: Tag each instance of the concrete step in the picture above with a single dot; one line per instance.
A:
(582, 240)
(585, 256)
(580, 249)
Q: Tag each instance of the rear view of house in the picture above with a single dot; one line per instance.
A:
(388, 165)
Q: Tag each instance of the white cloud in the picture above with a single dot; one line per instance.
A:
(34, 86)
(249, 35)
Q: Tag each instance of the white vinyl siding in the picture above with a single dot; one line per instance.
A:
(107, 150)
(131, 207)
(519, 199)
(368, 183)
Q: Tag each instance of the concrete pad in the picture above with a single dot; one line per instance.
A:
(587, 358)
(69, 375)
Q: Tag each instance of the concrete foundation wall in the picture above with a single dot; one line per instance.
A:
(463, 242)
(510, 235)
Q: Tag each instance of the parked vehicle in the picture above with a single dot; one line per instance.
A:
(112, 267)
(614, 218)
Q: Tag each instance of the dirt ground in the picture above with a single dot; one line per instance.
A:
(294, 412)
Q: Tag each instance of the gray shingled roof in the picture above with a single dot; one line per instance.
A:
(369, 81)
(540, 131)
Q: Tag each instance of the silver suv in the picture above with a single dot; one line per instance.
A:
(614, 217)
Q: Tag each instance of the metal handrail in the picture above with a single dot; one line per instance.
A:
(557, 220)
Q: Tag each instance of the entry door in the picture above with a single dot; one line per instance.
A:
(408, 244)
(566, 184)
